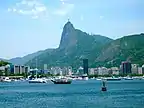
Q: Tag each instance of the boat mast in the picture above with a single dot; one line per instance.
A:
(36, 67)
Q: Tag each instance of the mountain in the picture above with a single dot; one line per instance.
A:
(1, 59)
(126, 48)
(74, 45)
(23, 60)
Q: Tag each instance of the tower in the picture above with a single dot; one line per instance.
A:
(85, 66)
(126, 67)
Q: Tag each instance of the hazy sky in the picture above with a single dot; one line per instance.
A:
(27, 26)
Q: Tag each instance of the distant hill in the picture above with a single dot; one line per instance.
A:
(126, 48)
(74, 45)
(3, 59)
(23, 60)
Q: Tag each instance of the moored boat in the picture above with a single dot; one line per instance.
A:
(6, 79)
(85, 77)
(37, 80)
(62, 81)
(113, 79)
(128, 78)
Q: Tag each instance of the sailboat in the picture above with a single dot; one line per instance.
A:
(37, 80)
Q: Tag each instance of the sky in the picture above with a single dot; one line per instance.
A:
(27, 26)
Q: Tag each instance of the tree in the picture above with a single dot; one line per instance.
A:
(4, 63)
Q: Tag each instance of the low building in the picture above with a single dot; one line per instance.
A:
(80, 71)
(66, 71)
(140, 70)
(70, 71)
(134, 68)
(45, 66)
(102, 71)
(91, 71)
(115, 71)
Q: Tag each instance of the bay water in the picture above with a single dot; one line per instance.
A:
(79, 94)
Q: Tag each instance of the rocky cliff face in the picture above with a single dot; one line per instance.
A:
(68, 38)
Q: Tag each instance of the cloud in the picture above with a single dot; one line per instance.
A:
(63, 1)
(64, 9)
(36, 9)
(32, 8)
(101, 17)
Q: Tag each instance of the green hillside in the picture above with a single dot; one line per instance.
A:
(74, 46)
(100, 50)
(126, 48)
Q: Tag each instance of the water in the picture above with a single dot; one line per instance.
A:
(79, 94)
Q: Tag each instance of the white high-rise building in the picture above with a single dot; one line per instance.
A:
(20, 69)
(134, 69)
(45, 67)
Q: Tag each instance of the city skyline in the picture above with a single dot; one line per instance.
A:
(28, 26)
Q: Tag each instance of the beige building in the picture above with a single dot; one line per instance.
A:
(102, 71)
(115, 71)
(45, 66)
(140, 70)
(134, 68)
(91, 71)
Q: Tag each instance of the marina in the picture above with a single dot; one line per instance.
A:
(66, 80)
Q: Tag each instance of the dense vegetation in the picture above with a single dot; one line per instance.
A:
(127, 48)
(3, 63)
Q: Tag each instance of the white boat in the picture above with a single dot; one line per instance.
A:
(38, 80)
(128, 78)
(113, 79)
(6, 79)
(62, 81)
(79, 78)
(99, 79)
(85, 77)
